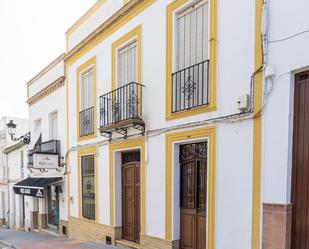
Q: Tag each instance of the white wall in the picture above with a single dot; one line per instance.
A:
(41, 110)
(49, 77)
(234, 141)
(106, 10)
(288, 57)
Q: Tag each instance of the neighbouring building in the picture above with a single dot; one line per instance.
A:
(16, 161)
(44, 190)
(9, 172)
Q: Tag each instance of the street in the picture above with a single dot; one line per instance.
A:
(10, 239)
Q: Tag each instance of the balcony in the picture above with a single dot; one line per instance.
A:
(30, 157)
(121, 109)
(51, 146)
(48, 147)
(190, 87)
(86, 122)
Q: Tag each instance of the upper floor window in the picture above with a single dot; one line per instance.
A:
(53, 125)
(37, 130)
(190, 77)
(192, 36)
(86, 102)
(127, 64)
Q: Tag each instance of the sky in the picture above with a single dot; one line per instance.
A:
(32, 35)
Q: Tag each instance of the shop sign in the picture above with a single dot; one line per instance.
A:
(45, 161)
(34, 192)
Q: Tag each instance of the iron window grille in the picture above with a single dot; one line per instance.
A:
(88, 187)
(190, 87)
(121, 104)
(86, 122)
(193, 172)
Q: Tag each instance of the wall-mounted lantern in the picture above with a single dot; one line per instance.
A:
(12, 131)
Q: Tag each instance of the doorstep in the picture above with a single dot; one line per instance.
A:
(50, 232)
(127, 244)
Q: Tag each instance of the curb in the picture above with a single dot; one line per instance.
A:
(8, 244)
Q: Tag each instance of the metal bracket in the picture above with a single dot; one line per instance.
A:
(139, 127)
(107, 135)
(122, 131)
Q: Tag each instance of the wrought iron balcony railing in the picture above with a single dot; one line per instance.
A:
(30, 157)
(51, 146)
(86, 122)
(121, 104)
(190, 87)
(122, 108)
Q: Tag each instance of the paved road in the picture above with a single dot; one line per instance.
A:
(33, 240)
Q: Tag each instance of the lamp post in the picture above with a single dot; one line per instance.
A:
(12, 131)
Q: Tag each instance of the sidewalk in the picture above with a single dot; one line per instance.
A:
(34, 240)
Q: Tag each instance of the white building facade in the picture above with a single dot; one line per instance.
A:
(45, 190)
(160, 154)
(16, 161)
(9, 171)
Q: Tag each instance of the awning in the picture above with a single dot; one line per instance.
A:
(34, 186)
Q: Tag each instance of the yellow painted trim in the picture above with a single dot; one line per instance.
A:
(67, 140)
(80, 153)
(126, 145)
(257, 131)
(107, 32)
(169, 61)
(85, 16)
(80, 69)
(136, 32)
(208, 133)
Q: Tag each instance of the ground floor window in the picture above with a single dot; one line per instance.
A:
(88, 188)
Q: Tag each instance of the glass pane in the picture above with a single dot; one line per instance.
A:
(88, 187)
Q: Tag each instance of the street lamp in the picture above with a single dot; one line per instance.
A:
(12, 131)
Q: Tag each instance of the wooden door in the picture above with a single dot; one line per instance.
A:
(193, 196)
(300, 174)
(131, 199)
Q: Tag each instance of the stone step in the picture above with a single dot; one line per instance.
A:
(127, 244)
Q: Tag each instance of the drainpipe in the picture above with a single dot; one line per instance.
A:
(8, 191)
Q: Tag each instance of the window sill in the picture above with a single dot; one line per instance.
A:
(191, 112)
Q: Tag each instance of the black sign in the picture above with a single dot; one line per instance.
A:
(34, 192)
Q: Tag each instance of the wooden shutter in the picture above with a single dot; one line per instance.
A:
(127, 64)
(86, 90)
(53, 131)
(192, 35)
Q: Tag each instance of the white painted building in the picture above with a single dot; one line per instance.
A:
(45, 189)
(16, 161)
(183, 124)
(194, 59)
(9, 172)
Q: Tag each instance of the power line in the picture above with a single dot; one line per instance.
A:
(289, 37)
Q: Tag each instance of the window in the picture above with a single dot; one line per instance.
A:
(127, 64)
(87, 102)
(37, 129)
(22, 163)
(190, 67)
(192, 36)
(53, 125)
(86, 89)
(88, 187)
(193, 175)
